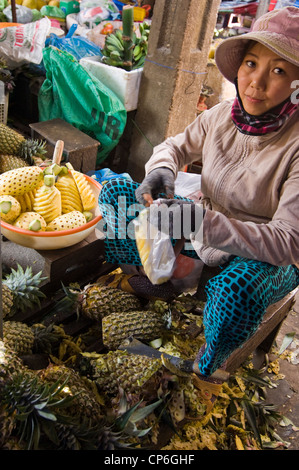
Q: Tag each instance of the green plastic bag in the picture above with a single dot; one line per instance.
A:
(71, 94)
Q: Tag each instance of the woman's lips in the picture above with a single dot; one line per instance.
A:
(253, 100)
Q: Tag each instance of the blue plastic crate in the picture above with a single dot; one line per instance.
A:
(120, 5)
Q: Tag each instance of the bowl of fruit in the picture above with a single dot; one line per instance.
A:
(48, 208)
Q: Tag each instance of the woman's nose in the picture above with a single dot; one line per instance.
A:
(258, 80)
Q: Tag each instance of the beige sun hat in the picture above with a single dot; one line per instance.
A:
(278, 30)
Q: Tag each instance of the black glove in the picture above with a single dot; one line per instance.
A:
(177, 218)
(160, 180)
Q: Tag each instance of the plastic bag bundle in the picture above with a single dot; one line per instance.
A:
(78, 46)
(24, 43)
(155, 249)
(71, 94)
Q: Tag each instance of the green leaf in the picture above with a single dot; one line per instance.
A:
(287, 340)
(47, 415)
(143, 412)
(250, 414)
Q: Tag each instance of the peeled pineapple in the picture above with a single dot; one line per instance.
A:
(45, 196)
(70, 197)
(31, 221)
(19, 181)
(87, 197)
(67, 221)
(10, 208)
(47, 201)
(27, 200)
(155, 250)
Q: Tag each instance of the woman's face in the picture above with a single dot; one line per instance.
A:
(264, 79)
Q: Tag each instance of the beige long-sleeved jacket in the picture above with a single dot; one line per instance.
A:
(250, 186)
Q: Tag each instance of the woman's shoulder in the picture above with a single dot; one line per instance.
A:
(223, 108)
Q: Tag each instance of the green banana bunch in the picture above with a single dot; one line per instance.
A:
(113, 50)
(141, 46)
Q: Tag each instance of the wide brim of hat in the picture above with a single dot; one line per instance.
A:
(229, 54)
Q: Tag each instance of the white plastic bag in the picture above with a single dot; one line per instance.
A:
(155, 249)
(24, 43)
(23, 14)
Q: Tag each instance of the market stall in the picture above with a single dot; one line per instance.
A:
(69, 377)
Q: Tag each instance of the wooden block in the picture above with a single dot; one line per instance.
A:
(75, 262)
(79, 149)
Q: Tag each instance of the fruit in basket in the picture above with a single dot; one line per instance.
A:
(27, 199)
(47, 201)
(31, 221)
(70, 197)
(10, 208)
(87, 197)
(14, 143)
(143, 325)
(67, 221)
(21, 290)
(19, 181)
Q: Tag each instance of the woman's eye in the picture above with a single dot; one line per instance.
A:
(278, 71)
(250, 63)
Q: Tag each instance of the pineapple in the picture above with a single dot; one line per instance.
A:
(31, 221)
(11, 162)
(14, 143)
(47, 201)
(67, 221)
(10, 208)
(10, 363)
(85, 405)
(144, 325)
(98, 301)
(27, 199)
(19, 181)
(7, 425)
(70, 197)
(119, 369)
(18, 337)
(34, 406)
(20, 290)
(87, 197)
(7, 301)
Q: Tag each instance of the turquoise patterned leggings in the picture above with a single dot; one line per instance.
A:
(237, 298)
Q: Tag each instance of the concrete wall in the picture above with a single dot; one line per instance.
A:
(175, 69)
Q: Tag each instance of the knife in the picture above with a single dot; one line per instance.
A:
(185, 366)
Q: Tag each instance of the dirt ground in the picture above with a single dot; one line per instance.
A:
(285, 395)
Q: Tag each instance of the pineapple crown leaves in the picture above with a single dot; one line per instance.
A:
(68, 302)
(34, 406)
(25, 287)
(32, 148)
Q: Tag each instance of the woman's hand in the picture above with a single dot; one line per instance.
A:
(160, 180)
(177, 218)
